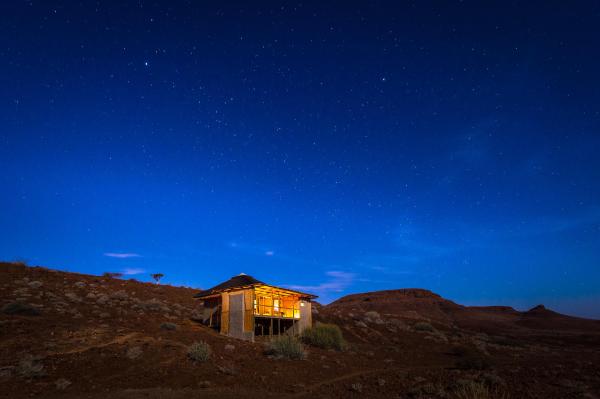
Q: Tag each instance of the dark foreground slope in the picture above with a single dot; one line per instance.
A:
(79, 336)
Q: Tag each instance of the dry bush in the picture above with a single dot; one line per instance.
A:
(326, 336)
(31, 367)
(477, 390)
(427, 390)
(470, 358)
(423, 326)
(199, 351)
(287, 347)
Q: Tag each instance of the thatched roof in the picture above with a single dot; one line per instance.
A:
(241, 281)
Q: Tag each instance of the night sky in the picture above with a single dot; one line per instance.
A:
(334, 148)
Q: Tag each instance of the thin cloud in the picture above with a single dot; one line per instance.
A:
(338, 281)
(133, 271)
(122, 255)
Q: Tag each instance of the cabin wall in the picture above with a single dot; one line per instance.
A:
(237, 315)
(305, 316)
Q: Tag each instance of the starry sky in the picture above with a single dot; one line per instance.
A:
(333, 147)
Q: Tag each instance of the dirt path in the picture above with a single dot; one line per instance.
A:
(309, 389)
(118, 340)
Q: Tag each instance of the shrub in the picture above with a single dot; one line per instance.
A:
(326, 336)
(470, 358)
(199, 351)
(30, 367)
(20, 308)
(286, 346)
(477, 390)
(422, 326)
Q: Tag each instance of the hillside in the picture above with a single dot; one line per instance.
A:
(73, 335)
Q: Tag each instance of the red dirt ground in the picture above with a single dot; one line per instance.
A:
(97, 337)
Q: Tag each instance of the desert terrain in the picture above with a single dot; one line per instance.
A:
(68, 335)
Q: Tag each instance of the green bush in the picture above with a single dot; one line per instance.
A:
(470, 358)
(199, 351)
(477, 390)
(286, 346)
(20, 308)
(326, 336)
(422, 326)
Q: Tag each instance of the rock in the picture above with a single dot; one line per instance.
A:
(104, 315)
(79, 284)
(102, 300)
(380, 382)
(71, 296)
(91, 295)
(204, 384)
(119, 295)
(360, 323)
(168, 326)
(134, 352)
(62, 384)
(35, 284)
(356, 387)
(229, 347)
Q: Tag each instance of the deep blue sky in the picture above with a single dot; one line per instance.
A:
(338, 148)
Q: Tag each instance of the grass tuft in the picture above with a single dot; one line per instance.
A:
(199, 351)
(326, 336)
(287, 347)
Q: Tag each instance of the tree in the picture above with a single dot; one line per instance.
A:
(157, 277)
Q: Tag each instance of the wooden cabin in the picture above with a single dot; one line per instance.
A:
(243, 307)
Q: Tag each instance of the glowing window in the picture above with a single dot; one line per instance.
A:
(276, 305)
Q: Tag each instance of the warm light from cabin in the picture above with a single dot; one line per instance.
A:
(276, 302)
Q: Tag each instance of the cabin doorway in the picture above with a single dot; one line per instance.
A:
(236, 315)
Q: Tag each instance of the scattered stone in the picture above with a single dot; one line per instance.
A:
(104, 315)
(360, 323)
(227, 369)
(71, 296)
(380, 382)
(168, 326)
(35, 284)
(356, 387)
(62, 384)
(229, 347)
(373, 317)
(134, 353)
(204, 384)
(119, 295)
(102, 300)
(79, 284)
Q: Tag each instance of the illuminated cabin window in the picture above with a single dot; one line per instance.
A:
(275, 304)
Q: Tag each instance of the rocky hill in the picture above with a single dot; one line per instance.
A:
(73, 335)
